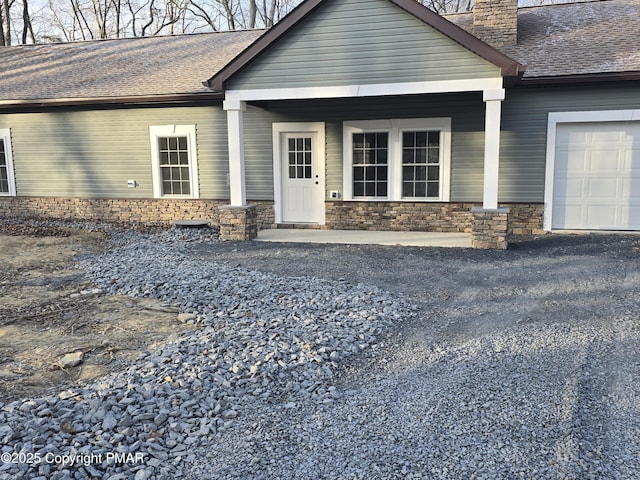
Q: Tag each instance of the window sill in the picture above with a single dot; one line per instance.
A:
(389, 200)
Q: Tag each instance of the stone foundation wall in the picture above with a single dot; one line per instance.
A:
(524, 219)
(119, 210)
(425, 217)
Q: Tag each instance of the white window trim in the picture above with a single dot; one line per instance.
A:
(5, 135)
(188, 131)
(572, 117)
(395, 127)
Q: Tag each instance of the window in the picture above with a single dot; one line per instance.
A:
(175, 170)
(400, 160)
(370, 167)
(7, 182)
(421, 164)
(299, 149)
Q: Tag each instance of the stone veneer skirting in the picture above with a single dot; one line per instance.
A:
(124, 211)
(524, 219)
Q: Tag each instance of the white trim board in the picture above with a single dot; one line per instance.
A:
(234, 97)
(573, 117)
(188, 131)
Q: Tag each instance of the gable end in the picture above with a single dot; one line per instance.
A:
(507, 66)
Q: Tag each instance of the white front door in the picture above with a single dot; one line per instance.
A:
(301, 164)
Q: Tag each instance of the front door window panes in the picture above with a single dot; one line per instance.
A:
(299, 151)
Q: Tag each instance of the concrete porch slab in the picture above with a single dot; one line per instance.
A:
(405, 239)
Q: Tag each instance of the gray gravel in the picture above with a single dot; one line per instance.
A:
(519, 364)
(361, 362)
(257, 339)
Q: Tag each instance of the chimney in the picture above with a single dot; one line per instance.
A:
(496, 22)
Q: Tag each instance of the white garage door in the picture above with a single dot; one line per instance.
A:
(597, 176)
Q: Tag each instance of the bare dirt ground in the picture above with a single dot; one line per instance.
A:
(49, 309)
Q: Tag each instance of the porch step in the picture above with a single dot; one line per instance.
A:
(299, 226)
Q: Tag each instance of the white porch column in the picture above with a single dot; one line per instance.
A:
(235, 137)
(493, 106)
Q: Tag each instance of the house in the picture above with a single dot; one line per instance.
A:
(347, 114)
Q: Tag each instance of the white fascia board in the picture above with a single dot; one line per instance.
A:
(373, 90)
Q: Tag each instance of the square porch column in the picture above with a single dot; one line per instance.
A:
(235, 139)
(490, 223)
(238, 221)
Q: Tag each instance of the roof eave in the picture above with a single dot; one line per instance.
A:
(584, 78)
(508, 66)
(139, 100)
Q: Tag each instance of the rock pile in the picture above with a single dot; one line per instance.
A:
(256, 338)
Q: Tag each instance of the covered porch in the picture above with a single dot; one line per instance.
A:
(357, 156)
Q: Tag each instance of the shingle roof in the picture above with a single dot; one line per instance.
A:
(131, 67)
(575, 38)
(554, 40)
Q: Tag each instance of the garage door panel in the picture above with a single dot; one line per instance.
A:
(574, 188)
(576, 160)
(597, 176)
(604, 160)
(603, 189)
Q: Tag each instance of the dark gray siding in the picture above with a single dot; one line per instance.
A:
(524, 131)
(467, 123)
(361, 42)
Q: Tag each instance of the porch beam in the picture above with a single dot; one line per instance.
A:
(367, 90)
(235, 138)
(493, 107)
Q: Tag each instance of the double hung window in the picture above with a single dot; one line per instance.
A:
(397, 159)
(7, 183)
(175, 169)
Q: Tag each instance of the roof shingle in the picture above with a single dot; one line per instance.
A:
(592, 37)
(128, 67)
(595, 37)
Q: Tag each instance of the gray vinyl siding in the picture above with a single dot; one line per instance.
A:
(467, 123)
(333, 169)
(94, 153)
(361, 42)
(258, 153)
(523, 145)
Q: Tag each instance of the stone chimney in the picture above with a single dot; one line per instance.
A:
(496, 21)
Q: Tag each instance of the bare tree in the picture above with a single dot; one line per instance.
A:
(5, 13)
(100, 19)
(27, 27)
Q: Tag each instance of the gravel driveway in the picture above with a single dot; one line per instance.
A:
(519, 364)
(355, 362)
